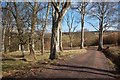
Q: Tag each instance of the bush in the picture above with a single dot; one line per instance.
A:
(113, 38)
(110, 39)
(118, 41)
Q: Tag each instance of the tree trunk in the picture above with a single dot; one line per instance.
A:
(6, 39)
(31, 46)
(82, 38)
(55, 41)
(42, 44)
(3, 37)
(31, 37)
(82, 33)
(43, 31)
(82, 26)
(20, 30)
(56, 25)
(70, 37)
(71, 45)
(100, 42)
(28, 49)
(60, 32)
(22, 50)
(19, 47)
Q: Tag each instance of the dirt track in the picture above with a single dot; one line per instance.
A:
(93, 64)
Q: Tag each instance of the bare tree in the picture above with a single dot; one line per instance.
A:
(105, 12)
(43, 29)
(6, 30)
(82, 9)
(70, 19)
(33, 23)
(35, 8)
(59, 10)
(13, 8)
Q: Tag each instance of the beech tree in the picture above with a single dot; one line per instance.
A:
(15, 10)
(59, 10)
(6, 30)
(70, 20)
(44, 27)
(82, 9)
(35, 7)
(105, 12)
(33, 23)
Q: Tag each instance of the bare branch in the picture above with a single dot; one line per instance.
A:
(55, 6)
(92, 25)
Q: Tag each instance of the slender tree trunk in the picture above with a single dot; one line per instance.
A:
(70, 37)
(20, 30)
(31, 45)
(100, 42)
(82, 26)
(82, 38)
(60, 32)
(31, 37)
(42, 44)
(6, 40)
(71, 45)
(3, 38)
(19, 46)
(82, 33)
(43, 32)
(28, 47)
(22, 50)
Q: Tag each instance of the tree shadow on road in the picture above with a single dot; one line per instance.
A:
(85, 69)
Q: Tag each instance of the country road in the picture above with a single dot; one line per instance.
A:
(93, 64)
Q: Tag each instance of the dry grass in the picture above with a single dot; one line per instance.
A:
(115, 50)
(73, 52)
(13, 63)
(113, 53)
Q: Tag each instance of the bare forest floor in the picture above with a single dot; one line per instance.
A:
(91, 64)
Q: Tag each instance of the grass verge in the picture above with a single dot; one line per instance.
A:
(113, 53)
(14, 64)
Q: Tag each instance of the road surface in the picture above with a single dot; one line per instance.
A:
(93, 64)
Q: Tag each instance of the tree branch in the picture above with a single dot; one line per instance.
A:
(10, 11)
(92, 25)
(55, 6)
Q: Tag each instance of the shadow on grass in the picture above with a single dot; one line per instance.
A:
(7, 59)
(17, 56)
(114, 58)
(85, 69)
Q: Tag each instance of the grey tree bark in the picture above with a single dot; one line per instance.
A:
(60, 41)
(31, 37)
(19, 28)
(100, 41)
(43, 31)
(72, 25)
(82, 25)
(57, 16)
(106, 14)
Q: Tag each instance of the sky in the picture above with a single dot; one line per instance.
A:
(64, 0)
(78, 17)
(95, 22)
